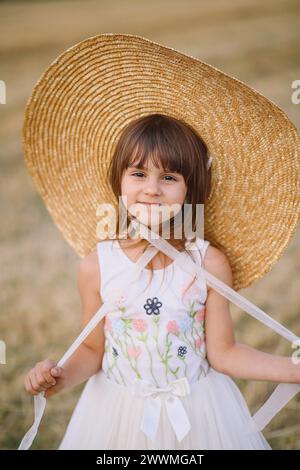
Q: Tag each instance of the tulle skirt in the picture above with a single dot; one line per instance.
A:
(108, 417)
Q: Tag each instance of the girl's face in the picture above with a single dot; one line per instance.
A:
(140, 186)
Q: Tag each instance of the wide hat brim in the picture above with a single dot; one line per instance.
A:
(85, 98)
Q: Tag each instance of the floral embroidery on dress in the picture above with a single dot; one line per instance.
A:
(156, 331)
(131, 335)
(153, 306)
(182, 350)
(120, 300)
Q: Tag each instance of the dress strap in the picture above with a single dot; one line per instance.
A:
(200, 246)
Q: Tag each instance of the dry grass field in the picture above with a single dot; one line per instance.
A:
(258, 43)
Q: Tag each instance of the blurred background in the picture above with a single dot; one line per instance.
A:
(254, 41)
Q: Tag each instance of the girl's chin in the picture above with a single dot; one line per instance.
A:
(151, 222)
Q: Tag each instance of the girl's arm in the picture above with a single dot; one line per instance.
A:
(223, 353)
(87, 358)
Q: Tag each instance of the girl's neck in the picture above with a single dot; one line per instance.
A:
(139, 246)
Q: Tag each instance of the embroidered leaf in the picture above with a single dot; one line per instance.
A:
(143, 337)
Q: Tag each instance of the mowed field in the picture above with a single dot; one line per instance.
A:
(256, 42)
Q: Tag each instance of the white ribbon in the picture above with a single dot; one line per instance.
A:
(175, 410)
(39, 408)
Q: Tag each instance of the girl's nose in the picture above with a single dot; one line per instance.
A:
(152, 188)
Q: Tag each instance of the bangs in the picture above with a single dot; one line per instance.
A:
(164, 147)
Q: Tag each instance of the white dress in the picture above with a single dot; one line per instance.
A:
(156, 389)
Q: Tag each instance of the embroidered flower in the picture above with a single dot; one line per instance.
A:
(120, 301)
(182, 350)
(118, 326)
(152, 306)
(172, 327)
(139, 325)
(199, 342)
(200, 314)
(185, 324)
(134, 352)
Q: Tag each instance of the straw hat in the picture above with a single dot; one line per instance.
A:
(86, 97)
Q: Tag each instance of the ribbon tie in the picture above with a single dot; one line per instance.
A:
(175, 410)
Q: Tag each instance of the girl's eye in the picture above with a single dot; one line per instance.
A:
(169, 176)
(166, 176)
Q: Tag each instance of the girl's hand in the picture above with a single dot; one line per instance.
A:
(46, 377)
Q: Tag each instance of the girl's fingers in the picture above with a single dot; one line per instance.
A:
(56, 388)
(31, 387)
(28, 386)
(56, 371)
(43, 377)
(51, 391)
(42, 382)
(45, 372)
(36, 382)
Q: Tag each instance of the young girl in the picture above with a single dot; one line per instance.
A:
(158, 365)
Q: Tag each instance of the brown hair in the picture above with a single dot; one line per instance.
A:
(178, 148)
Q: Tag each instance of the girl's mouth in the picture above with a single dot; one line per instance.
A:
(150, 203)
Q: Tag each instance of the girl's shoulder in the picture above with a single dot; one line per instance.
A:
(214, 255)
(88, 270)
(217, 263)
